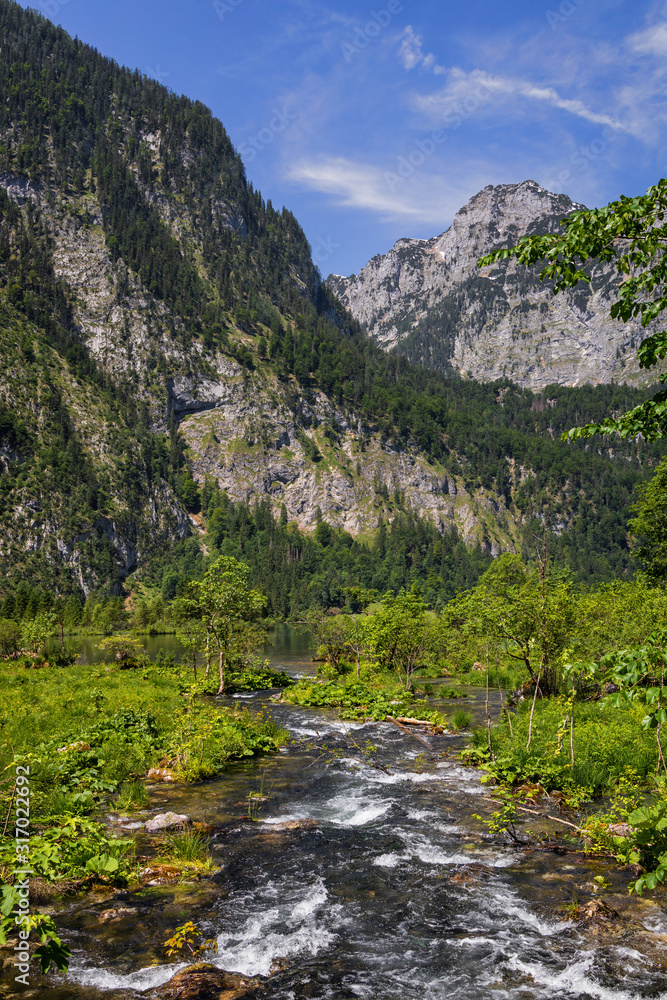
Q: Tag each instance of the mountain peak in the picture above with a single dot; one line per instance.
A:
(429, 300)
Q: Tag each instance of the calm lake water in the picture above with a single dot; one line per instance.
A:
(286, 646)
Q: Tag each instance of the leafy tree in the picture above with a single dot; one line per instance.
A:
(124, 649)
(531, 616)
(649, 526)
(330, 634)
(400, 632)
(631, 234)
(639, 674)
(35, 633)
(229, 610)
(192, 637)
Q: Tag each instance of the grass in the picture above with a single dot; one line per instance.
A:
(460, 719)
(132, 795)
(188, 848)
(606, 744)
(89, 734)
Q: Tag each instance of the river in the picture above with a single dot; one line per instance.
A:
(357, 883)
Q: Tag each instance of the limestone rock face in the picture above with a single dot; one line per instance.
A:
(263, 442)
(259, 436)
(430, 299)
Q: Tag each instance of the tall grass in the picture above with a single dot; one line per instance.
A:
(606, 742)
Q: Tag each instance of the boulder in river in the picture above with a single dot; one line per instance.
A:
(620, 830)
(166, 821)
(206, 982)
(161, 774)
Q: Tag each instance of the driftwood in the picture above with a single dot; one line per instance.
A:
(407, 721)
(410, 732)
(544, 815)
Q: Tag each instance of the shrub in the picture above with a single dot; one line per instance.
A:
(10, 637)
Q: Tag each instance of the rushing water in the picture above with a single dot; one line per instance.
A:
(353, 882)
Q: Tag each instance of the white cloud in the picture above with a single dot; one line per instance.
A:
(467, 93)
(423, 197)
(652, 41)
(411, 53)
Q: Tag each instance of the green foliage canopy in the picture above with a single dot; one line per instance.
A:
(649, 525)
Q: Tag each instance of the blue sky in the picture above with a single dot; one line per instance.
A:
(377, 121)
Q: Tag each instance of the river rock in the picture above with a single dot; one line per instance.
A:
(206, 982)
(160, 774)
(166, 821)
(293, 824)
(620, 830)
(597, 909)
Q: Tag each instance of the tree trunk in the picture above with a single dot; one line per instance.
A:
(221, 689)
(532, 711)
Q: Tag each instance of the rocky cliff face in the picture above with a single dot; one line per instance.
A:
(430, 301)
(160, 321)
(261, 441)
(258, 435)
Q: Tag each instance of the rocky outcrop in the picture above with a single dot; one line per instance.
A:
(167, 821)
(429, 299)
(207, 982)
(261, 442)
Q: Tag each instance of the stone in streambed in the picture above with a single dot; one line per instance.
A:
(620, 830)
(166, 821)
(206, 982)
(597, 909)
(161, 774)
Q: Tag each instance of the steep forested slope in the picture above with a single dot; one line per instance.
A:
(162, 323)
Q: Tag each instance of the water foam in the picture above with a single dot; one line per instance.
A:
(346, 809)
(142, 979)
(389, 860)
(297, 924)
(573, 979)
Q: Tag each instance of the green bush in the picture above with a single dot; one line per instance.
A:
(606, 743)
(357, 699)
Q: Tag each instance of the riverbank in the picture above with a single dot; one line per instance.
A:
(365, 875)
(350, 858)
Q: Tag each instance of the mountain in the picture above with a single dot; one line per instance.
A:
(163, 328)
(428, 300)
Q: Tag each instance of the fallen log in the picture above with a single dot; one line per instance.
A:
(410, 732)
(407, 721)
